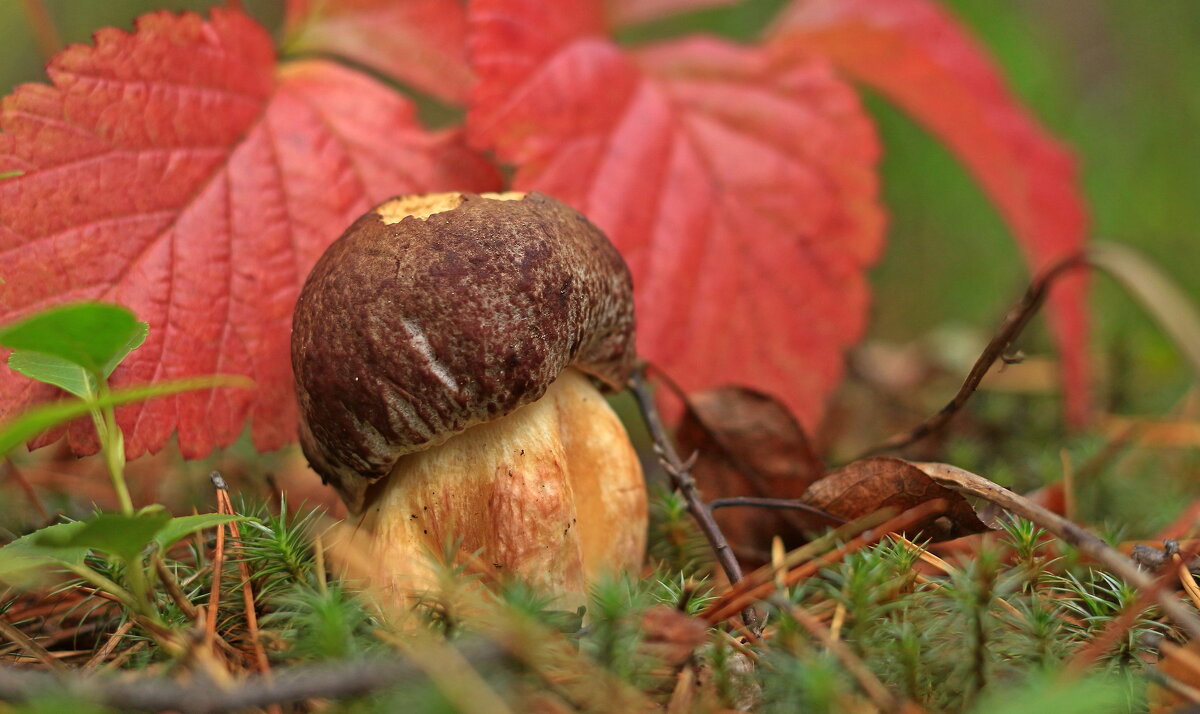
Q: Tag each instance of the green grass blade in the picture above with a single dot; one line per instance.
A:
(39, 419)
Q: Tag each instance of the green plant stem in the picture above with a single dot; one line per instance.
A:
(136, 575)
(112, 444)
(142, 611)
(104, 584)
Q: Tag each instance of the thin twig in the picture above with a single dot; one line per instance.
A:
(30, 646)
(809, 460)
(247, 592)
(91, 591)
(683, 696)
(1185, 657)
(218, 567)
(116, 663)
(225, 505)
(783, 503)
(1186, 579)
(773, 572)
(971, 484)
(924, 554)
(172, 585)
(741, 595)
(58, 636)
(109, 646)
(319, 564)
(930, 559)
(337, 680)
(1014, 322)
(1177, 687)
(681, 478)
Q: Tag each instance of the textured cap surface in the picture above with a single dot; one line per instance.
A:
(409, 330)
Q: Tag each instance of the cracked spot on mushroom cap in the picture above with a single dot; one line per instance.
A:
(423, 206)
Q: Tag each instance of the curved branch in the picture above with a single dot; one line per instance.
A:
(1014, 322)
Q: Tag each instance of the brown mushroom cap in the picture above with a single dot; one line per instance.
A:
(431, 314)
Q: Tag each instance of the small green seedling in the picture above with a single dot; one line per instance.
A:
(76, 348)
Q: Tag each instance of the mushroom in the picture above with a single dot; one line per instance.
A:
(447, 350)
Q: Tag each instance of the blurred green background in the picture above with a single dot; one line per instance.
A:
(1118, 81)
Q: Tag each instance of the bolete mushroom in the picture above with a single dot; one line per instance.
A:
(446, 350)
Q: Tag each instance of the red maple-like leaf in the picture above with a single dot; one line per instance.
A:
(914, 53)
(423, 42)
(741, 188)
(740, 182)
(181, 172)
(419, 42)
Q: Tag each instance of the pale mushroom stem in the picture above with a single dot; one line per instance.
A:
(552, 493)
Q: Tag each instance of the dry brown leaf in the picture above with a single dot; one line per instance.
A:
(865, 486)
(1182, 666)
(753, 433)
(671, 635)
(748, 444)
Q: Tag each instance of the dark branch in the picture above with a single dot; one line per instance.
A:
(783, 503)
(809, 459)
(156, 694)
(681, 479)
(1014, 322)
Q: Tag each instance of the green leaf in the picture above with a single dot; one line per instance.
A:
(54, 370)
(30, 552)
(140, 331)
(184, 526)
(1042, 694)
(114, 533)
(69, 375)
(123, 536)
(39, 419)
(89, 334)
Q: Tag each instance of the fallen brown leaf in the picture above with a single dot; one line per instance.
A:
(671, 635)
(748, 444)
(865, 486)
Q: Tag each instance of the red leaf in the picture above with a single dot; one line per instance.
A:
(180, 172)
(914, 53)
(419, 42)
(741, 190)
